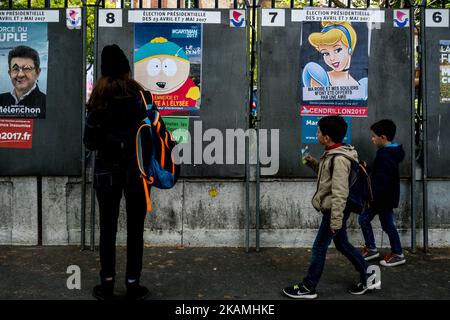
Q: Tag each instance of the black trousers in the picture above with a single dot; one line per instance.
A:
(109, 187)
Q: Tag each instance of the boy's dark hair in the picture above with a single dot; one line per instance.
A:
(333, 126)
(385, 127)
(24, 52)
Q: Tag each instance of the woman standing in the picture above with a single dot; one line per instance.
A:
(115, 111)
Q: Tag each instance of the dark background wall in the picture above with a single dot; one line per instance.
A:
(224, 83)
(389, 91)
(56, 147)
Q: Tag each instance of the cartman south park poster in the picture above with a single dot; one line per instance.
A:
(167, 62)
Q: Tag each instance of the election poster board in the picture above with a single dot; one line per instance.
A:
(23, 74)
(167, 62)
(23, 70)
(40, 133)
(334, 61)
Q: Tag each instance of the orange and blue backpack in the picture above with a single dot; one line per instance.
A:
(160, 170)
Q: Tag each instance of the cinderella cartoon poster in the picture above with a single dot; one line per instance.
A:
(334, 69)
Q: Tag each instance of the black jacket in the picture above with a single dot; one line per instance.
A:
(112, 131)
(35, 99)
(385, 177)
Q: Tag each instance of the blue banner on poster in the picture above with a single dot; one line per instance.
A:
(309, 129)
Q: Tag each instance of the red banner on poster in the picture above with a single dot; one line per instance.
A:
(16, 133)
(345, 111)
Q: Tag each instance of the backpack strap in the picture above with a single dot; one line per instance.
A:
(363, 167)
(332, 160)
(153, 119)
(146, 180)
(151, 111)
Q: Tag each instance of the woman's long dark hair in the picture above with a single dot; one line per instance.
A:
(109, 87)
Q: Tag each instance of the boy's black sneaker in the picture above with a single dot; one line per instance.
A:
(360, 288)
(136, 291)
(299, 291)
(392, 260)
(369, 254)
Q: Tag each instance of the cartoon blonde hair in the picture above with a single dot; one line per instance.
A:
(159, 40)
(332, 32)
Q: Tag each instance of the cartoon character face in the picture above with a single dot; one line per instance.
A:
(336, 56)
(23, 74)
(162, 74)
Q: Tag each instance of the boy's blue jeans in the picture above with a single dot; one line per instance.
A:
(320, 247)
(387, 224)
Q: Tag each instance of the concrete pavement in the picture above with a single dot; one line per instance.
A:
(177, 273)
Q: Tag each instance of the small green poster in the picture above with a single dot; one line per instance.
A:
(178, 127)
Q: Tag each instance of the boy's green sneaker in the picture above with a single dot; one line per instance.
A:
(299, 291)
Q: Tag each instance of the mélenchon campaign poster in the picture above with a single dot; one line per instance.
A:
(167, 62)
(23, 81)
(334, 59)
(23, 70)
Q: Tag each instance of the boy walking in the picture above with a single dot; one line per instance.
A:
(385, 179)
(330, 199)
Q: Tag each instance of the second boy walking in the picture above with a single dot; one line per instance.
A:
(385, 179)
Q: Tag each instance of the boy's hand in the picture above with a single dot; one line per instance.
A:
(307, 159)
(333, 231)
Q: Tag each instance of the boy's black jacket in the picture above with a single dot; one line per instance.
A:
(385, 177)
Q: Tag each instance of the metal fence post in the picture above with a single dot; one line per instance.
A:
(413, 127)
(424, 128)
